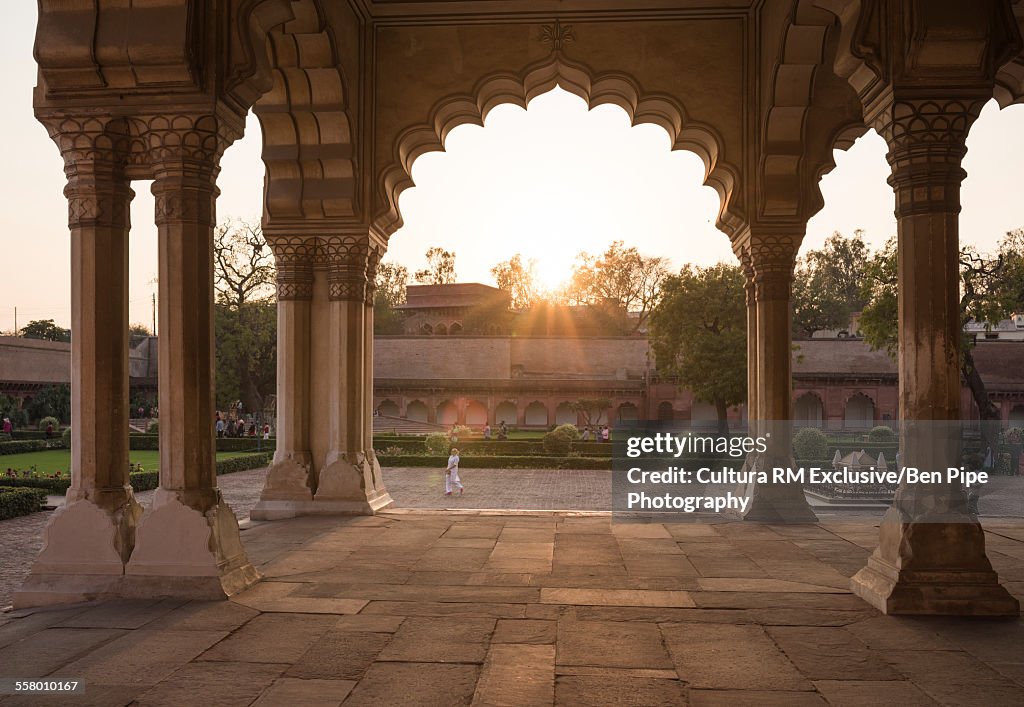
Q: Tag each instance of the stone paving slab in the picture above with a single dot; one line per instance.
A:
(413, 607)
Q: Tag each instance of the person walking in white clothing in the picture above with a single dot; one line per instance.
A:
(451, 474)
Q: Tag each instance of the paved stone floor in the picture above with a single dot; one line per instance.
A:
(422, 607)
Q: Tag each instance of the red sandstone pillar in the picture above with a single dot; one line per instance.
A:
(931, 553)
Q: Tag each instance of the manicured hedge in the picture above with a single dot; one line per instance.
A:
(28, 434)
(16, 502)
(141, 480)
(151, 443)
(25, 446)
(504, 462)
(519, 448)
(249, 461)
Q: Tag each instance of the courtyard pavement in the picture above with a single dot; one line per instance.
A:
(421, 606)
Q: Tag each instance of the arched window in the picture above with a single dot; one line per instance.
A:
(807, 412)
(476, 413)
(1016, 418)
(565, 415)
(455, 330)
(665, 411)
(447, 413)
(441, 330)
(417, 410)
(426, 330)
(505, 412)
(536, 414)
(628, 413)
(860, 412)
(388, 408)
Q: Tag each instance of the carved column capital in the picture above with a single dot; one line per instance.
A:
(294, 258)
(98, 191)
(772, 258)
(927, 143)
(351, 262)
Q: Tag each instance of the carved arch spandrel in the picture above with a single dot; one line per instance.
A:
(519, 89)
(812, 112)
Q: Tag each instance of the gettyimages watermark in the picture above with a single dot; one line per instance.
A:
(930, 471)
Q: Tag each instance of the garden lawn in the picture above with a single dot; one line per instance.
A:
(54, 460)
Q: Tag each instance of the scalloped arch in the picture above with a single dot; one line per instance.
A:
(595, 89)
(307, 141)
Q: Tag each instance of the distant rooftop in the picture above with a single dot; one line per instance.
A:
(459, 294)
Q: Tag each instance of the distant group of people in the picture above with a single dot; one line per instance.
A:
(598, 434)
(239, 428)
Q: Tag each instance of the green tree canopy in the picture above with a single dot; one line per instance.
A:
(245, 316)
(827, 283)
(517, 278)
(391, 281)
(622, 276)
(440, 268)
(698, 333)
(46, 330)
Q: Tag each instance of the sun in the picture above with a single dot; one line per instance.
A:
(552, 272)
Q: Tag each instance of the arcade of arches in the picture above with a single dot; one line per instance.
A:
(349, 94)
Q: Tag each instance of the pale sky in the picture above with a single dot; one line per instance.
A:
(547, 183)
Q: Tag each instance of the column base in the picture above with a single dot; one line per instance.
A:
(285, 491)
(185, 553)
(773, 503)
(351, 484)
(83, 556)
(941, 592)
(937, 568)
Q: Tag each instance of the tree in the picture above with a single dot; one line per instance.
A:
(245, 317)
(992, 288)
(46, 330)
(518, 280)
(138, 330)
(620, 275)
(51, 401)
(592, 409)
(827, 284)
(698, 334)
(440, 268)
(391, 282)
(244, 265)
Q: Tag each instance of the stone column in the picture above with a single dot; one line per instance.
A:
(350, 481)
(90, 538)
(772, 257)
(288, 490)
(187, 543)
(750, 291)
(931, 553)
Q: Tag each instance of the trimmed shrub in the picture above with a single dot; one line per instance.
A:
(16, 502)
(437, 443)
(881, 435)
(559, 440)
(569, 430)
(46, 422)
(4, 437)
(65, 437)
(57, 486)
(810, 443)
(154, 427)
